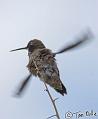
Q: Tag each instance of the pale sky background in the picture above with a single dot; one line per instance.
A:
(55, 22)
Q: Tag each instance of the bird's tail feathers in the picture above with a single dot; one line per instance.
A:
(62, 91)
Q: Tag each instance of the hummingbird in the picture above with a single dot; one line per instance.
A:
(42, 63)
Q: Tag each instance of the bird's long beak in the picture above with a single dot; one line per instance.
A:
(19, 49)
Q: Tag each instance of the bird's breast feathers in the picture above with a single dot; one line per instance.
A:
(44, 61)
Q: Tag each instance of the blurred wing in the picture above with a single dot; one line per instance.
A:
(23, 85)
(86, 36)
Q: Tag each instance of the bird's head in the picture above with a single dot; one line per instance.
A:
(32, 45)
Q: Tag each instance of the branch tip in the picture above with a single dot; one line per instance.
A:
(51, 116)
(56, 99)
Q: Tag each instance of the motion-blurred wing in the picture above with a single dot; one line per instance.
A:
(23, 85)
(86, 36)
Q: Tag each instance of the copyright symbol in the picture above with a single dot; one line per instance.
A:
(68, 115)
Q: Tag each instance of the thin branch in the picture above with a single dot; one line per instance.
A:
(52, 100)
(51, 116)
(56, 99)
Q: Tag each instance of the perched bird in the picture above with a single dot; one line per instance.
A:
(42, 63)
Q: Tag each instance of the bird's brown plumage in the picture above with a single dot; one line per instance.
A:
(42, 64)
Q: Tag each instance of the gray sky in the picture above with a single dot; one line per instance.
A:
(55, 22)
